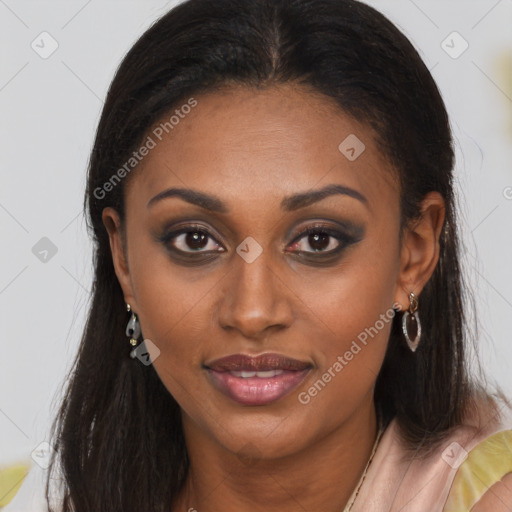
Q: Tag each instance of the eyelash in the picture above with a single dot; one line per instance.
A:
(343, 239)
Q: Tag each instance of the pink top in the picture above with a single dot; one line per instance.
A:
(396, 482)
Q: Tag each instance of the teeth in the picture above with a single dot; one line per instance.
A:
(269, 373)
(263, 375)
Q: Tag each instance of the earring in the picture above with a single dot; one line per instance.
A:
(133, 327)
(411, 316)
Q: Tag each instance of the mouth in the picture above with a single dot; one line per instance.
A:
(256, 380)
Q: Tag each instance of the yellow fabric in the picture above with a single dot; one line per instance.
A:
(11, 479)
(484, 466)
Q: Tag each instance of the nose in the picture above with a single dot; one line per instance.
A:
(256, 299)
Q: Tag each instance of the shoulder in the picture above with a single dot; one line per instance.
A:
(498, 497)
(401, 480)
(483, 480)
(398, 480)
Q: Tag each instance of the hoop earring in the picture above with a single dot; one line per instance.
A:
(412, 314)
(133, 327)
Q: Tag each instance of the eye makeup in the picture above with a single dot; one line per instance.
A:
(319, 241)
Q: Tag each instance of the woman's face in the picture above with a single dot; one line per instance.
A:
(224, 265)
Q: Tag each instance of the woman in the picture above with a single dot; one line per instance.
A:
(270, 195)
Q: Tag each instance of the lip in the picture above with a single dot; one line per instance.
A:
(256, 380)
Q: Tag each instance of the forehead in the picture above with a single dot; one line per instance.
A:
(270, 142)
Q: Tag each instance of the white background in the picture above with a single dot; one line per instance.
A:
(49, 111)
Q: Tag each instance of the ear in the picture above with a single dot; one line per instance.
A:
(114, 229)
(419, 253)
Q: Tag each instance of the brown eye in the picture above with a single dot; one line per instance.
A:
(193, 241)
(196, 240)
(318, 240)
(190, 240)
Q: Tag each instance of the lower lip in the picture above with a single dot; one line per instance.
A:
(257, 390)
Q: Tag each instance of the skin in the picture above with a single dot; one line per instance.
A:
(251, 149)
(498, 498)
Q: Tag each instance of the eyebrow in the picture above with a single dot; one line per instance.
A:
(289, 204)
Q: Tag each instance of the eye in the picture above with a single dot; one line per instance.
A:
(191, 240)
(318, 241)
(321, 240)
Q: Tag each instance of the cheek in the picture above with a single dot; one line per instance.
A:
(352, 296)
(172, 306)
(350, 318)
(174, 311)
(351, 315)
(175, 316)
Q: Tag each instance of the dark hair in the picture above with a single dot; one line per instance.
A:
(119, 434)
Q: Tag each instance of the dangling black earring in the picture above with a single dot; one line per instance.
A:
(133, 327)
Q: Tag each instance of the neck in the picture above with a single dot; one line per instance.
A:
(321, 476)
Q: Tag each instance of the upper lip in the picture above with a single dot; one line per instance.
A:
(263, 362)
